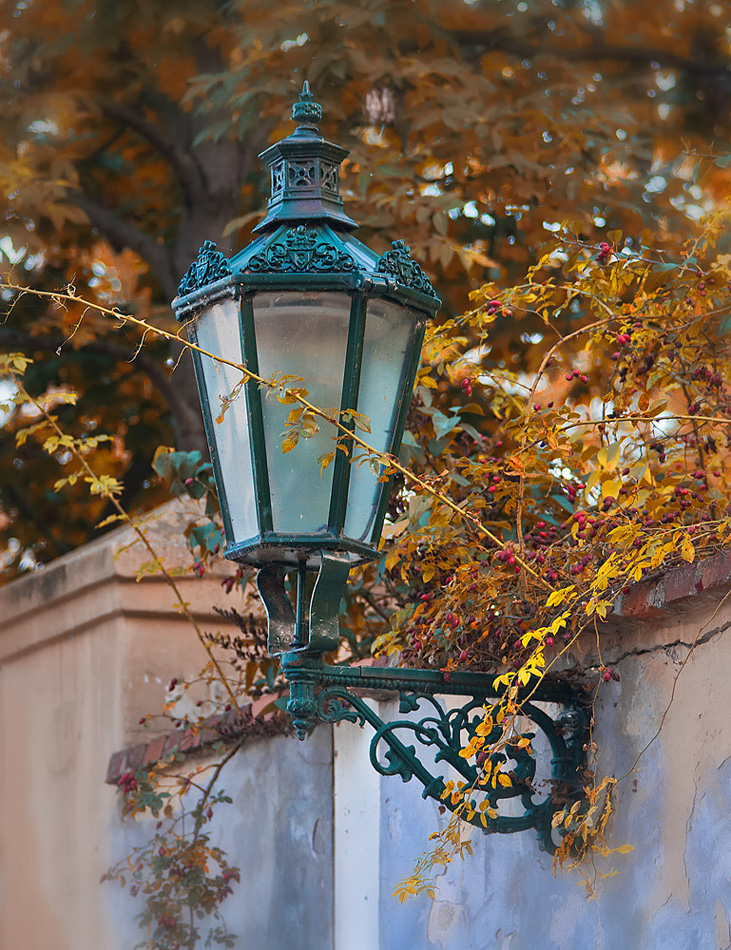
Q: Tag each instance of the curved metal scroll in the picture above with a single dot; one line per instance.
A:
(443, 733)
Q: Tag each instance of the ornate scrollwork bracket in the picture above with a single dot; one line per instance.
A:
(534, 762)
(426, 742)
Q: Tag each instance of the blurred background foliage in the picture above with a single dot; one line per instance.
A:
(130, 134)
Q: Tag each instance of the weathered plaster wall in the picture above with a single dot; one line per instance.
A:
(85, 651)
(673, 891)
(278, 831)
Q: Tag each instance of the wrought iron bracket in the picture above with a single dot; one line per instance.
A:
(551, 723)
(442, 729)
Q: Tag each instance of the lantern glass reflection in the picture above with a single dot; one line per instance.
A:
(386, 356)
(217, 330)
(303, 335)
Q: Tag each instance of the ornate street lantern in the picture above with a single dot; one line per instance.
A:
(309, 305)
(306, 300)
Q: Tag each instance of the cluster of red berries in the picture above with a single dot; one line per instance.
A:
(660, 449)
(605, 249)
(467, 386)
(572, 489)
(228, 582)
(507, 557)
(610, 674)
(198, 569)
(576, 375)
(493, 306)
(582, 564)
(540, 537)
(588, 524)
(127, 782)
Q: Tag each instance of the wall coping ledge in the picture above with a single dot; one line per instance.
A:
(673, 589)
(226, 727)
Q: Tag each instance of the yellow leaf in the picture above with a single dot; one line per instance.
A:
(558, 596)
(290, 441)
(687, 550)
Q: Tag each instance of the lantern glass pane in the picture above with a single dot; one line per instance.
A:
(218, 330)
(386, 356)
(301, 334)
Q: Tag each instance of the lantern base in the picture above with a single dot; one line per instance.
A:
(292, 550)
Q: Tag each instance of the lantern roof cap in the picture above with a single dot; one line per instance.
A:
(305, 173)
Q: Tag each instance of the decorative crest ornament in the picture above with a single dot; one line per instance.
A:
(399, 264)
(301, 251)
(209, 266)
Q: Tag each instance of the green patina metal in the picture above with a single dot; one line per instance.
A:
(306, 244)
(320, 693)
(301, 251)
(210, 266)
(401, 265)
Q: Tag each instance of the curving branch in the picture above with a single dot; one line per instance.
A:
(596, 51)
(121, 234)
(182, 415)
(186, 169)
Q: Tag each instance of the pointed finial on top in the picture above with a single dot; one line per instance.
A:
(306, 111)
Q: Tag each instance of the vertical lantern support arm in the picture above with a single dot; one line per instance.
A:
(301, 634)
(312, 628)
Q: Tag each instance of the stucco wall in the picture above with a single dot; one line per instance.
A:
(278, 831)
(673, 891)
(85, 651)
